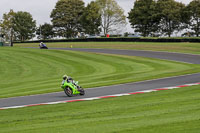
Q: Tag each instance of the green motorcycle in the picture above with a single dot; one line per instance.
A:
(72, 88)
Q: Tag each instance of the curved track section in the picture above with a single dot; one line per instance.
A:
(187, 58)
(116, 89)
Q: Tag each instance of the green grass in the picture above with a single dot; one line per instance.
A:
(169, 111)
(35, 71)
(193, 48)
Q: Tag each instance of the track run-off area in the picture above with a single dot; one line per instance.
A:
(115, 90)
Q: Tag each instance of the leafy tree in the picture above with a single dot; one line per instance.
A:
(66, 17)
(46, 31)
(144, 17)
(91, 19)
(170, 13)
(126, 34)
(112, 16)
(193, 10)
(7, 25)
(18, 25)
(25, 26)
(185, 18)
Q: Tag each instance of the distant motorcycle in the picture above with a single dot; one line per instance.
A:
(43, 46)
(72, 88)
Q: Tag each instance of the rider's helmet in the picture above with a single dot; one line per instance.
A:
(65, 77)
(41, 43)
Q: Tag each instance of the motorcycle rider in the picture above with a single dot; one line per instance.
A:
(69, 79)
(64, 79)
(41, 44)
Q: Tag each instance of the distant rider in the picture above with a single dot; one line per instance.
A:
(42, 45)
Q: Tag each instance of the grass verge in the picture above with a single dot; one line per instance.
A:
(164, 111)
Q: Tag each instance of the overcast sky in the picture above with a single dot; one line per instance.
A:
(41, 9)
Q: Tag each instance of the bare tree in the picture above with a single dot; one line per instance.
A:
(112, 15)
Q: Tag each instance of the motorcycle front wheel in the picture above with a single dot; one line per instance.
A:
(68, 91)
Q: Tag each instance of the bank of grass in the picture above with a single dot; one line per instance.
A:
(169, 111)
(185, 47)
(34, 71)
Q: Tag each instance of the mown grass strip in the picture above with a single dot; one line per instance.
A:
(164, 111)
(193, 48)
(35, 71)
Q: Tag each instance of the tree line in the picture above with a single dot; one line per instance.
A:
(71, 17)
(165, 17)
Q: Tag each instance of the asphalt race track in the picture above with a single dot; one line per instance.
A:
(116, 89)
(188, 58)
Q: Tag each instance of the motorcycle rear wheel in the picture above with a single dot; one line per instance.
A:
(82, 91)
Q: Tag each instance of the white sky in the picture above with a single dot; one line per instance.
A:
(41, 9)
